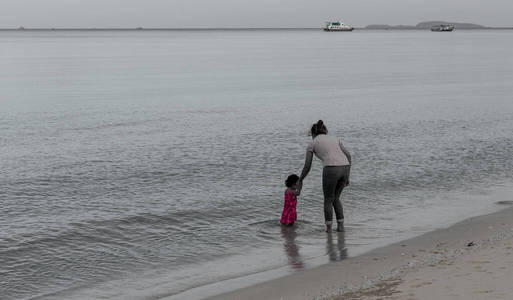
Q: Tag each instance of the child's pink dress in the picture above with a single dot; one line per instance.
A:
(289, 214)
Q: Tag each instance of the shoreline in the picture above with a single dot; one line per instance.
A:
(379, 272)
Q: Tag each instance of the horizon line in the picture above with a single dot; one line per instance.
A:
(392, 27)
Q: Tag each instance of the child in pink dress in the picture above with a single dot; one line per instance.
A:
(289, 215)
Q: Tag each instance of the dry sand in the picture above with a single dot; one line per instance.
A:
(437, 265)
(482, 271)
(486, 273)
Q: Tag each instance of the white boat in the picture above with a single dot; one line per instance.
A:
(337, 26)
(442, 27)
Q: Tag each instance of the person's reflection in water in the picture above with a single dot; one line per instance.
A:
(290, 247)
(336, 252)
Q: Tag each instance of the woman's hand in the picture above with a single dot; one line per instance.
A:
(299, 185)
(347, 182)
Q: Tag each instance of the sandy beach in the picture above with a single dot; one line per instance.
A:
(472, 259)
(483, 273)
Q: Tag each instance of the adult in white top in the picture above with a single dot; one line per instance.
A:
(335, 175)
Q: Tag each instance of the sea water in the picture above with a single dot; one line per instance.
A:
(145, 164)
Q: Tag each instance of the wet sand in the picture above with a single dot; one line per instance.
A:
(472, 259)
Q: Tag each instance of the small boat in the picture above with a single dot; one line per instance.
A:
(442, 27)
(337, 26)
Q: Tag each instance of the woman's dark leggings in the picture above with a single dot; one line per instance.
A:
(334, 179)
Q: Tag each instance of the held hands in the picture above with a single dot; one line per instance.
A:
(299, 186)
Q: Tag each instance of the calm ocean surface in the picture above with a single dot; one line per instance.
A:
(143, 164)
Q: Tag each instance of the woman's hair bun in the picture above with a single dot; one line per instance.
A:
(318, 128)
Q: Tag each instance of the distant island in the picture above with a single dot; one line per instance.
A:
(427, 25)
(420, 26)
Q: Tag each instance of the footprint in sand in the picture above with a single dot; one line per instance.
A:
(484, 291)
(480, 261)
(421, 284)
(479, 269)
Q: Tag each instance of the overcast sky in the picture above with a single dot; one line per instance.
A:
(247, 13)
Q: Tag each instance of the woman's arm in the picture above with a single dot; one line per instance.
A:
(346, 152)
(308, 165)
(348, 155)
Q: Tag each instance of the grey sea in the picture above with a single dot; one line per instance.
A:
(150, 164)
